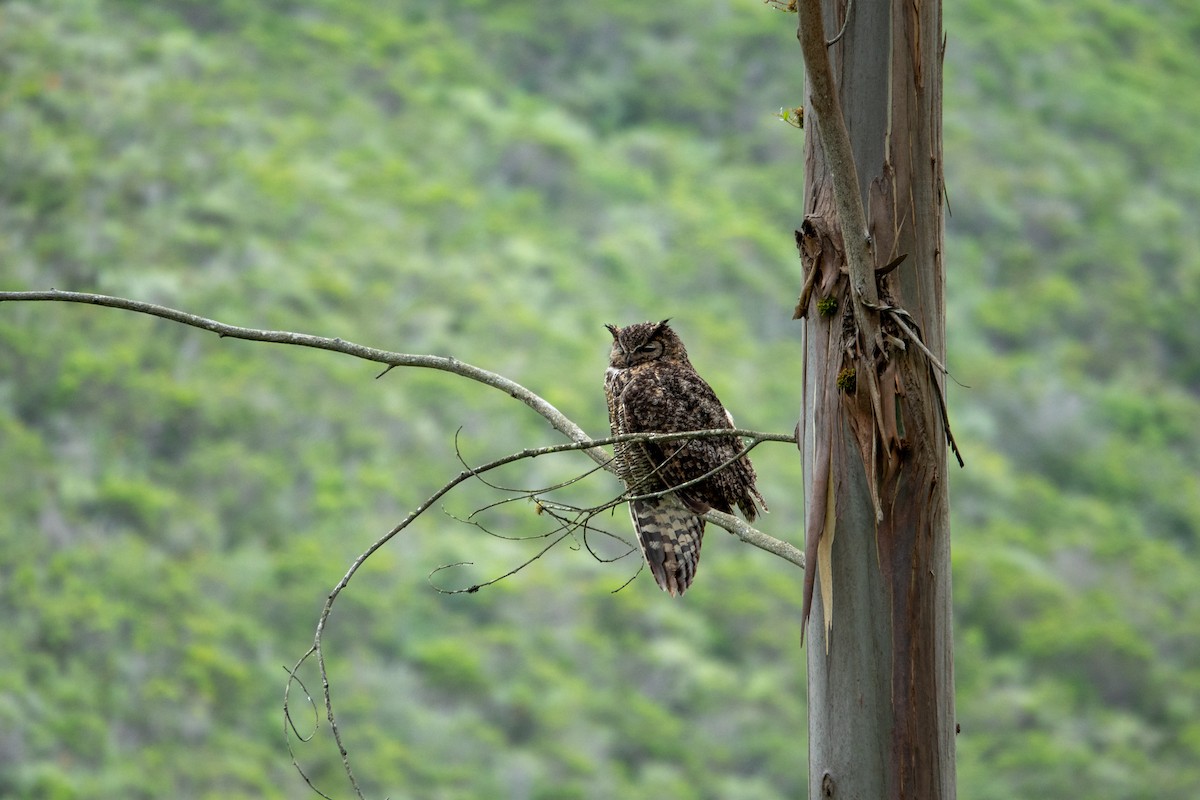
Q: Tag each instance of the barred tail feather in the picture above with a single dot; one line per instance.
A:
(670, 536)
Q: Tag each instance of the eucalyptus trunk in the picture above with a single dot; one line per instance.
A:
(875, 435)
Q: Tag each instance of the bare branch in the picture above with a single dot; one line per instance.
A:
(444, 363)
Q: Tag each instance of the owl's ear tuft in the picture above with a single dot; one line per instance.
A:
(612, 329)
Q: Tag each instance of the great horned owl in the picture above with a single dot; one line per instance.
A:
(653, 388)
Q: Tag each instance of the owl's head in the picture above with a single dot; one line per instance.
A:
(645, 341)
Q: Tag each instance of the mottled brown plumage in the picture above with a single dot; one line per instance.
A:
(653, 388)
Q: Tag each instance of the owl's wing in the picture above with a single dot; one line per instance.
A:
(674, 402)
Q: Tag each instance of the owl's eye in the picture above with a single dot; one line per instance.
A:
(647, 348)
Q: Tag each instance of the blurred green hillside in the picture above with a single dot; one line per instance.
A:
(494, 181)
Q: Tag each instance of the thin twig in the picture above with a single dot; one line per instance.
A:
(845, 23)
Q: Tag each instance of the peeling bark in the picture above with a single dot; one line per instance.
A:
(874, 430)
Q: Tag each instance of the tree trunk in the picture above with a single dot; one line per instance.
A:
(880, 667)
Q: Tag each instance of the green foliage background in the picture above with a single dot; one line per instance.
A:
(494, 181)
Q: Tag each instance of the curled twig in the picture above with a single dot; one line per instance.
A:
(845, 23)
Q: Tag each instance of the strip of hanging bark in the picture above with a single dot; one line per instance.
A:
(935, 366)
(825, 561)
(891, 265)
(821, 509)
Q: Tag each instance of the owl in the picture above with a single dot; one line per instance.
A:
(653, 388)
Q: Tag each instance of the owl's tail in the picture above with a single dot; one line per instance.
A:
(670, 536)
